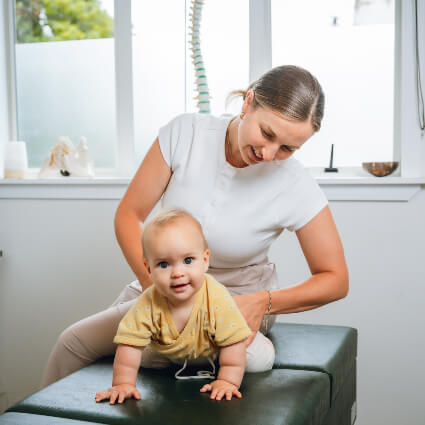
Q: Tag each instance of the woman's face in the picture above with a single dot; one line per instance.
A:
(266, 135)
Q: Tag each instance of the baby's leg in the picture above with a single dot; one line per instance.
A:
(84, 342)
(260, 354)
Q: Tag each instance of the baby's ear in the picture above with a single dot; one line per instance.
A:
(207, 259)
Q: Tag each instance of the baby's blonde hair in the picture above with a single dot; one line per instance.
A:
(167, 216)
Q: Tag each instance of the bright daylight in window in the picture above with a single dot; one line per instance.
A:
(349, 46)
(65, 76)
(66, 83)
(163, 72)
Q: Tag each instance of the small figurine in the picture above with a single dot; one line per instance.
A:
(68, 160)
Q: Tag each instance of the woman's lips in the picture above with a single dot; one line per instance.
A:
(255, 156)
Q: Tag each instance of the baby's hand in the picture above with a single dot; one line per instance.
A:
(120, 392)
(220, 388)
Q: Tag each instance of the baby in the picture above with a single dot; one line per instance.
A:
(186, 314)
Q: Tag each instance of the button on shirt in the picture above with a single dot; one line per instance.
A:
(241, 210)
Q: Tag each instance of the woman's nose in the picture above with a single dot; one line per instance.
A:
(269, 151)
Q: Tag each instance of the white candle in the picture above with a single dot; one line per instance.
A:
(15, 160)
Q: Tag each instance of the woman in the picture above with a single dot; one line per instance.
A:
(237, 177)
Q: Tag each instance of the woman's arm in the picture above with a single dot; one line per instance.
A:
(322, 248)
(144, 191)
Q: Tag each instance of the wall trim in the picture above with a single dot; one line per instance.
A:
(343, 189)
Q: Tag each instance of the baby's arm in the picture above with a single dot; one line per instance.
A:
(126, 365)
(232, 367)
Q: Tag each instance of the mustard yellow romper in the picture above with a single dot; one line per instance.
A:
(215, 321)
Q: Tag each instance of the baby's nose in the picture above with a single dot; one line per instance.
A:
(177, 272)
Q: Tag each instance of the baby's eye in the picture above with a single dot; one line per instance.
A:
(188, 260)
(163, 264)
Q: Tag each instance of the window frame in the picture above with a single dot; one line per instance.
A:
(409, 147)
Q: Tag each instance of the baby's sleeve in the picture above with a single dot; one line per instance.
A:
(136, 327)
(230, 326)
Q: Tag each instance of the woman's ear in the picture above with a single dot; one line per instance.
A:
(247, 101)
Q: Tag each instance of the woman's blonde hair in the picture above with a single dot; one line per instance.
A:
(167, 216)
(290, 90)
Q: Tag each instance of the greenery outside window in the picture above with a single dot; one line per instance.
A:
(64, 55)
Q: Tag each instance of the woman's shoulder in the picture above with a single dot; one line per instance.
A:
(179, 139)
(301, 197)
(288, 171)
(193, 119)
(294, 179)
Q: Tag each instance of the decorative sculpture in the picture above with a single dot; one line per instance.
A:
(68, 160)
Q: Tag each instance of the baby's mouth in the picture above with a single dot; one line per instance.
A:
(179, 286)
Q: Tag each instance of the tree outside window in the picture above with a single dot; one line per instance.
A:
(61, 20)
(66, 88)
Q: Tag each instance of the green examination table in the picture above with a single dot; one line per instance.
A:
(313, 382)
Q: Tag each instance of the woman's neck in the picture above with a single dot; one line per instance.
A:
(233, 155)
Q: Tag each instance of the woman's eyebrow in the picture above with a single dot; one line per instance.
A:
(273, 134)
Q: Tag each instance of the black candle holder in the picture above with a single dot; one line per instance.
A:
(331, 168)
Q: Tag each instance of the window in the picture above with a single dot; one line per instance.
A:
(74, 86)
(158, 49)
(349, 46)
(65, 81)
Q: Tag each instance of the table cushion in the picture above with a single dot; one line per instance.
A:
(328, 349)
(287, 397)
(344, 407)
(14, 418)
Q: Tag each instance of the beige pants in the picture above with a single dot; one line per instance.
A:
(91, 338)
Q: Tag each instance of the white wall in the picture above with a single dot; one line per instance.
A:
(383, 244)
(4, 136)
(4, 116)
(61, 262)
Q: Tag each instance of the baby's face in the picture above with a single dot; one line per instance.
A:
(177, 260)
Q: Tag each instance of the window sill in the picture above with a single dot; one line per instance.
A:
(355, 184)
(344, 186)
(66, 188)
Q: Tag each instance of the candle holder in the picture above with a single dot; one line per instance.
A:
(331, 168)
(15, 160)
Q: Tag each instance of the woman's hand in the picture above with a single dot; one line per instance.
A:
(120, 392)
(220, 388)
(253, 307)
